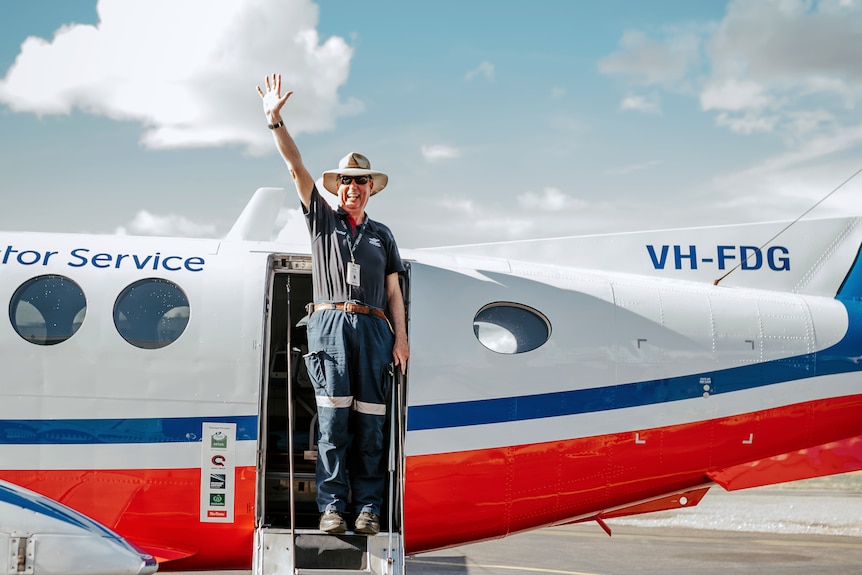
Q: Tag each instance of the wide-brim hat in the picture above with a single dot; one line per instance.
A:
(354, 164)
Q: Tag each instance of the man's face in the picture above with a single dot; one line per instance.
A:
(353, 194)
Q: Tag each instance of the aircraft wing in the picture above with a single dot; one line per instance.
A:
(45, 537)
(820, 461)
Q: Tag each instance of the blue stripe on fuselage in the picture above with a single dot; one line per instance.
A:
(107, 431)
(843, 357)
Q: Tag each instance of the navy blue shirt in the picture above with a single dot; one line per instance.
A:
(331, 239)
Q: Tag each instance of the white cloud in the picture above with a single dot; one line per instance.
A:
(511, 226)
(551, 199)
(293, 229)
(780, 66)
(734, 95)
(439, 152)
(552, 213)
(641, 104)
(841, 141)
(747, 123)
(186, 70)
(461, 205)
(773, 61)
(808, 121)
(485, 69)
(786, 185)
(649, 61)
(148, 224)
(473, 221)
(788, 41)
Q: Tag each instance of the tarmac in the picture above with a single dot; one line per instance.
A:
(812, 527)
(582, 550)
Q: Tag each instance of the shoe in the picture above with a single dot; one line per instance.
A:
(331, 521)
(367, 524)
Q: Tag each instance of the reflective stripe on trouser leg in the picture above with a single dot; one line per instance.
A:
(324, 401)
(369, 408)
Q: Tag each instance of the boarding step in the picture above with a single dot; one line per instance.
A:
(317, 553)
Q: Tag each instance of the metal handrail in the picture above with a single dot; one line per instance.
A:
(392, 466)
(290, 430)
(402, 406)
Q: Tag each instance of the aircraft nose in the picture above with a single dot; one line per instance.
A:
(45, 536)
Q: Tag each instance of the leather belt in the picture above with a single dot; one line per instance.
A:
(353, 307)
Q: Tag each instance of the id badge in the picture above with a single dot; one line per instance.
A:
(353, 274)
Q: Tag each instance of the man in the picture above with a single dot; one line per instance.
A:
(355, 265)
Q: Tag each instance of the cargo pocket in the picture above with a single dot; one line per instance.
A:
(316, 374)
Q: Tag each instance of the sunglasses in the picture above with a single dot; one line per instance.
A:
(345, 180)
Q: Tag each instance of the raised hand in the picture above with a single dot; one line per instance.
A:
(272, 98)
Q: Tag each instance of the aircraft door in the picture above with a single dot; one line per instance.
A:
(288, 412)
(286, 534)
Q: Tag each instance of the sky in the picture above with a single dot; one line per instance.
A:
(495, 120)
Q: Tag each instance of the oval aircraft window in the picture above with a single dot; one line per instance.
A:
(511, 327)
(151, 313)
(47, 310)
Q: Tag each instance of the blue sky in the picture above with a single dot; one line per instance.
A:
(495, 120)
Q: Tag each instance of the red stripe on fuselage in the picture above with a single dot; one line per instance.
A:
(455, 498)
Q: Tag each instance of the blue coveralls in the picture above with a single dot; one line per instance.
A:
(349, 357)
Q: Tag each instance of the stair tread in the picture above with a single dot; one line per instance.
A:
(311, 571)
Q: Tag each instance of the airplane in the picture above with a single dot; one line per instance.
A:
(155, 385)
(46, 537)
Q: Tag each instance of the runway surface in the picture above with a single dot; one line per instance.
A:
(811, 528)
(586, 550)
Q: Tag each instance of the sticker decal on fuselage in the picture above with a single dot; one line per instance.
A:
(218, 462)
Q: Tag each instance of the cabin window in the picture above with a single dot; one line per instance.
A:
(47, 310)
(151, 313)
(506, 327)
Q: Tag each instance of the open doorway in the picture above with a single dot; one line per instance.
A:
(288, 435)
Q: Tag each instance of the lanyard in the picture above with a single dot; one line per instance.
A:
(351, 243)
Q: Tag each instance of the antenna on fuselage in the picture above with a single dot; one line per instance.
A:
(787, 227)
